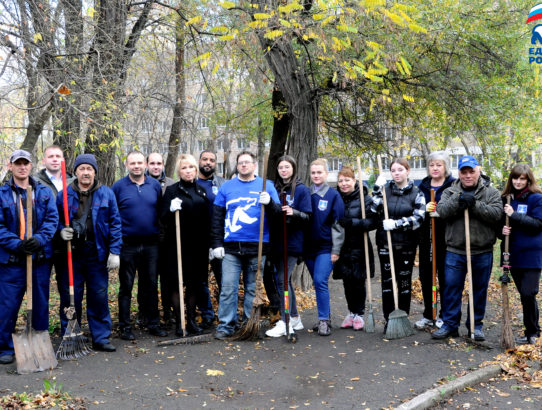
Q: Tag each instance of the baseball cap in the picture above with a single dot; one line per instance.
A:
(467, 161)
(20, 153)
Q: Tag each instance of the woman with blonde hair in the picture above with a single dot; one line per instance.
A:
(191, 201)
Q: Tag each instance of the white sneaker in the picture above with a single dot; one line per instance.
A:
(295, 323)
(278, 331)
(439, 323)
(423, 323)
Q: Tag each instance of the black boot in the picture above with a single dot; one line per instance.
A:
(193, 328)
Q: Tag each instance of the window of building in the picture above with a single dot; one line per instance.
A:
(243, 143)
(220, 145)
(220, 168)
(335, 164)
(201, 145)
(418, 162)
(203, 122)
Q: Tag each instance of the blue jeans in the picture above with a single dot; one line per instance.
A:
(292, 261)
(232, 265)
(320, 268)
(455, 271)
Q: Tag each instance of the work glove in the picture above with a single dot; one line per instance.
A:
(265, 198)
(389, 224)
(218, 253)
(67, 233)
(113, 261)
(434, 214)
(211, 255)
(31, 245)
(431, 206)
(380, 181)
(466, 200)
(345, 222)
(175, 204)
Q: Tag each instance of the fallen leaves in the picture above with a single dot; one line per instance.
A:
(211, 372)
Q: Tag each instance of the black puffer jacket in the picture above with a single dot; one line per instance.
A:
(352, 258)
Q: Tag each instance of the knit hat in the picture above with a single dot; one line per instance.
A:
(85, 159)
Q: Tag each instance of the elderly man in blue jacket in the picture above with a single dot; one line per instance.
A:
(15, 244)
(96, 235)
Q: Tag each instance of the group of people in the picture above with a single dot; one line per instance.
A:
(132, 226)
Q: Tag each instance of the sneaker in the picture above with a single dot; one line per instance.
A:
(296, 323)
(524, 340)
(220, 335)
(444, 333)
(278, 331)
(439, 323)
(348, 321)
(478, 335)
(7, 358)
(423, 323)
(324, 327)
(358, 322)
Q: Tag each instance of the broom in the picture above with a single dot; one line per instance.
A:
(251, 328)
(398, 323)
(507, 337)
(369, 320)
(74, 343)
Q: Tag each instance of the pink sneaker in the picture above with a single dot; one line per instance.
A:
(358, 322)
(348, 321)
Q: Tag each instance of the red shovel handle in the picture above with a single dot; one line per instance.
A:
(67, 223)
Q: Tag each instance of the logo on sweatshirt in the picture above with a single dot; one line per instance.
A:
(289, 200)
(522, 209)
(322, 205)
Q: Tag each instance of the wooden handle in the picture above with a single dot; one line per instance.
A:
(390, 245)
(365, 237)
(28, 236)
(434, 261)
(469, 272)
(180, 270)
(507, 222)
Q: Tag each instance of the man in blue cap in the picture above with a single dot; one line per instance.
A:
(95, 233)
(16, 244)
(471, 191)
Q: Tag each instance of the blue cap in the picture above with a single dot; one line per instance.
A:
(467, 161)
(20, 153)
(86, 159)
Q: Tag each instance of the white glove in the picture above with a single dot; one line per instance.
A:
(381, 181)
(175, 204)
(211, 255)
(113, 261)
(389, 224)
(66, 233)
(218, 253)
(434, 214)
(265, 198)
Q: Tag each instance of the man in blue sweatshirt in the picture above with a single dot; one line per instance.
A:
(235, 234)
(138, 198)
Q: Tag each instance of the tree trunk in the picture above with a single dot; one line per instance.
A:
(178, 110)
(281, 125)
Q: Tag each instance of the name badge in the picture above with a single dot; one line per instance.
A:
(289, 200)
(215, 190)
(322, 205)
(522, 209)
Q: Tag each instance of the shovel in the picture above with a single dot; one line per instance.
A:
(33, 349)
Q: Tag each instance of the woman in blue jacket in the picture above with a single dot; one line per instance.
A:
(525, 245)
(296, 200)
(326, 237)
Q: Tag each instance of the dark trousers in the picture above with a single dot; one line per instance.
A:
(165, 291)
(403, 257)
(426, 276)
(90, 271)
(354, 291)
(142, 258)
(12, 290)
(527, 282)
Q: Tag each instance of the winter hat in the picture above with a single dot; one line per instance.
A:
(85, 159)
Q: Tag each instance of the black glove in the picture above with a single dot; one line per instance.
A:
(345, 222)
(466, 200)
(31, 245)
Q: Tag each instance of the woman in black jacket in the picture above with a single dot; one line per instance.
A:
(438, 178)
(191, 201)
(351, 266)
(406, 207)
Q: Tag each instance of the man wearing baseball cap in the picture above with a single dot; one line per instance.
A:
(16, 244)
(96, 238)
(472, 191)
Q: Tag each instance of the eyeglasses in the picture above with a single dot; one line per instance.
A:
(245, 163)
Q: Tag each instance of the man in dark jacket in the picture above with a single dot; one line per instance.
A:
(51, 175)
(155, 169)
(211, 182)
(471, 192)
(234, 237)
(96, 237)
(15, 245)
(138, 198)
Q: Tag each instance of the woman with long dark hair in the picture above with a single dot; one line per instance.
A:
(296, 202)
(525, 232)
(406, 207)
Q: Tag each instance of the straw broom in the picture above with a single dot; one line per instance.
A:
(507, 336)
